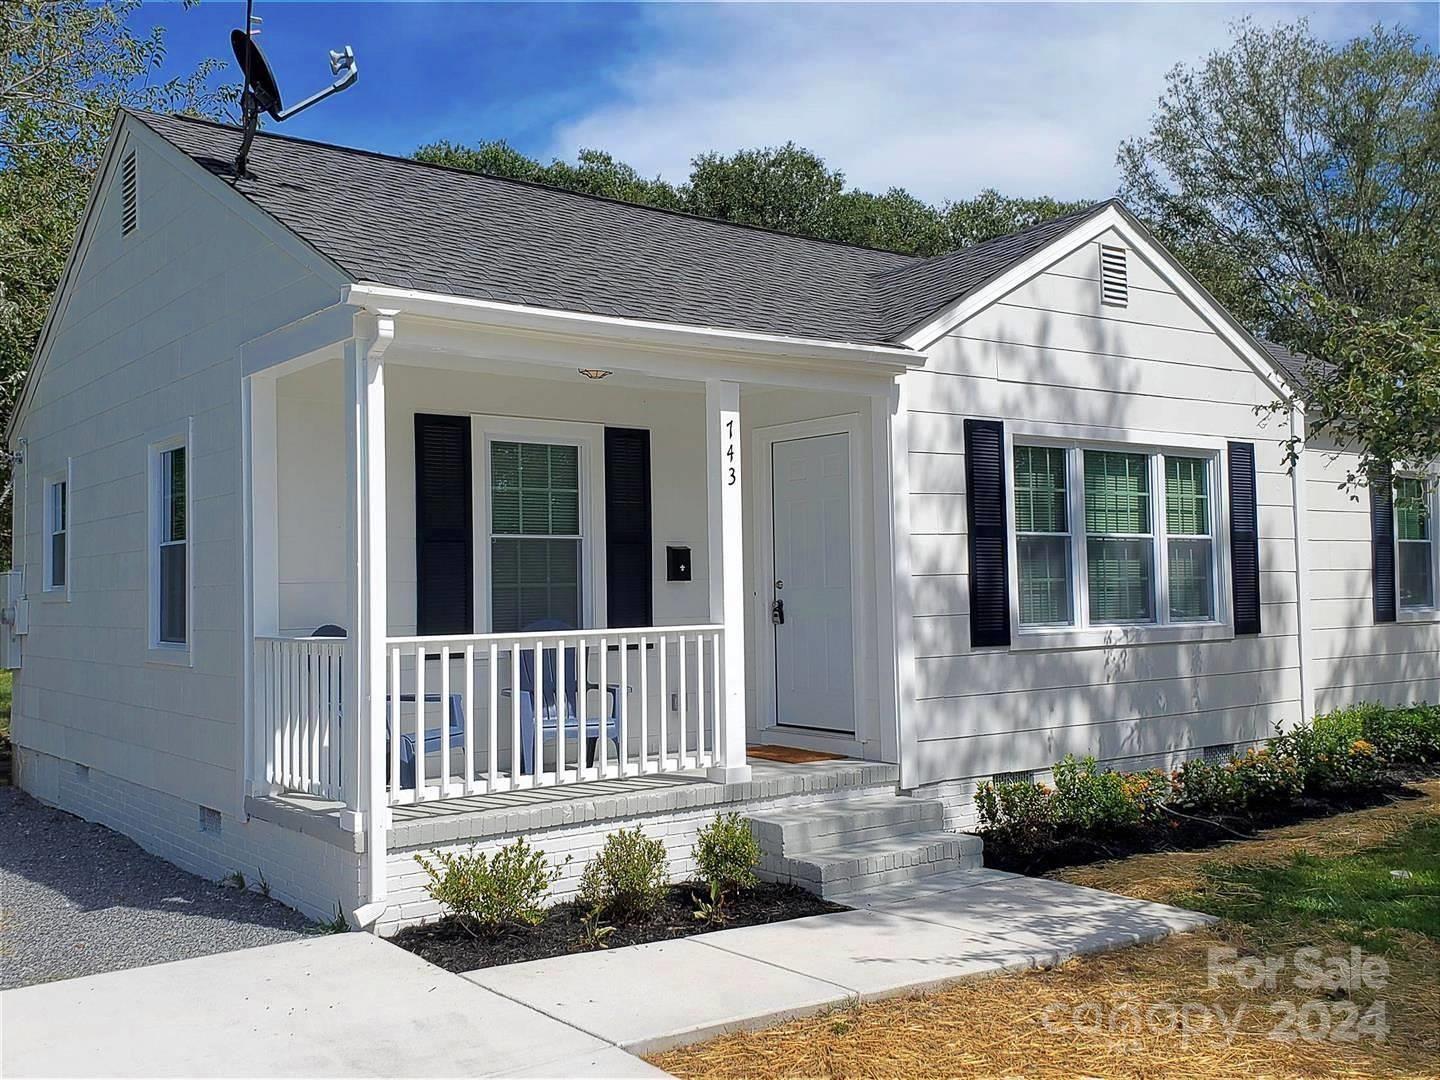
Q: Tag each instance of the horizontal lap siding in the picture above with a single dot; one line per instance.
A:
(1049, 353)
(1353, 658)
(149, 337)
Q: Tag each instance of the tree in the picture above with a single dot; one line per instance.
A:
(1301, 182)
(65, 67)
(786, 188)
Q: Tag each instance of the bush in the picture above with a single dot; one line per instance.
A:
(1407, 736)
(1204, 787)
(1331, 756)
(1017, 813)
(627, 878)
(488, 893)
(1090, 799)
(726, 854)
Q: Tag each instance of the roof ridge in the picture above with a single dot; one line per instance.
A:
(458, 171)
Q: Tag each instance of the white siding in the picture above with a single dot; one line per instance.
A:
(1049, 352)
(1353, 657)
(149, 337)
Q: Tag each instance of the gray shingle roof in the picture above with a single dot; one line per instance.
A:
(403, 223)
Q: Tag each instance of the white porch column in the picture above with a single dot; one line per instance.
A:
(726, 570)
(259, 431)
(365, 685)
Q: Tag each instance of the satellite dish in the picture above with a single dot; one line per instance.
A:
(252, 62)
(261, 92)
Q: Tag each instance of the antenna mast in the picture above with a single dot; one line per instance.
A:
(261, 93)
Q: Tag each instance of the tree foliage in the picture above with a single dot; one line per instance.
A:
(1301, 182)
(786, 188)
(65, 67)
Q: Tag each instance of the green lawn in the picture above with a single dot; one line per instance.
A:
(1360, 897)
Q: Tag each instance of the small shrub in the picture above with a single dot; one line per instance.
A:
(627, 878)
(1406, 736)
(1089, 799)
(1017, 813)
(1203, 788)
(488, 893)
(1269, 776)
(726, 854)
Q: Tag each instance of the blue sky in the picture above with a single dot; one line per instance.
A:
(941, 99)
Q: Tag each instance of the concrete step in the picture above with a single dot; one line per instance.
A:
(834, 873)
(828, 826)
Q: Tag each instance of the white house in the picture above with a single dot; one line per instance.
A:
(590, 503)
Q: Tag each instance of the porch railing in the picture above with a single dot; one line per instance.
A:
(496, 712)
(297, 709)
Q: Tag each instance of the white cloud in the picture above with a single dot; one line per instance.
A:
(944, 100)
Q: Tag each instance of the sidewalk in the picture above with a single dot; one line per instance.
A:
(900, 939)
(353, 1005)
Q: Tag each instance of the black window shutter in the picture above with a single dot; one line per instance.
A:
(444, 526)
(1382, 543)
(989, 545)
(628, 583)
(1244, 539)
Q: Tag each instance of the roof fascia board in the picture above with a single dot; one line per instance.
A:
(320, 330)
(1159, 260)
(60, 299)
(635, 333)
(128, 130)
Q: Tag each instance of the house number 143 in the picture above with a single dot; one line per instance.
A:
(729, 453)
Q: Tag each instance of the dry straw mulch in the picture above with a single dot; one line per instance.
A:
(998, 1027)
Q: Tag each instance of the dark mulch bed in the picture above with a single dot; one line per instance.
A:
(1188, 834)
(449, 945)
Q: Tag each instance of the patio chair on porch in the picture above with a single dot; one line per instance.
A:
(407, 738)
(554, 705)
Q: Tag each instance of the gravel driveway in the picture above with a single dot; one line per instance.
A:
(77, 899)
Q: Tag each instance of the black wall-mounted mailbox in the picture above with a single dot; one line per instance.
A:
(677, 563)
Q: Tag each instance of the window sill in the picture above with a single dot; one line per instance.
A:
(170, 655)
(1418, 615)
(1107, 637)
(55, 596)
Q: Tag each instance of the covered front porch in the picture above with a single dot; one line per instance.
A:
(534, 561)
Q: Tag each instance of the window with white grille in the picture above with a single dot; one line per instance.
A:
(1114, 282)
(127, 194)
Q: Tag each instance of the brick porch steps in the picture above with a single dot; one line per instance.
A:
(842, 847)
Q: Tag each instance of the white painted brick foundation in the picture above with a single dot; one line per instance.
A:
(307, 874)
(958, 796)
(677, 828)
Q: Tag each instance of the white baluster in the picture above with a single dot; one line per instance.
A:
(602, 760)
(515, 713)
(467, 702)
(492, 714)
(680, 762)
(624, 740)
(699, 698)
(419, 722)
(662, 647)
(444, 721)
(394, 733)
(644, 704)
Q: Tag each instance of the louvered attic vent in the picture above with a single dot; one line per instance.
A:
(1114, 286)
(127, 194)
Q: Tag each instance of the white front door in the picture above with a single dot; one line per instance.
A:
(812, 613)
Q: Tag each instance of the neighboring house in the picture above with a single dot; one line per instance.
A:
(535, 463)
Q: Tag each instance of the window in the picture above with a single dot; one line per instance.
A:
(536, 536)
(170, 533)
(1092, 547)
(1191, 548)
(1119, 545)
(1414, 545)
(1042, 536)
(57, 524)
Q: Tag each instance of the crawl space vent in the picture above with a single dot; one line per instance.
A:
(127, 194)
(1114, 286)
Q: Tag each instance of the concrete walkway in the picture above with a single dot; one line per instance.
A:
(353, 1005)
(900, 939)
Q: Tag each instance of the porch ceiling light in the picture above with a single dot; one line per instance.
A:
(594, 373)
